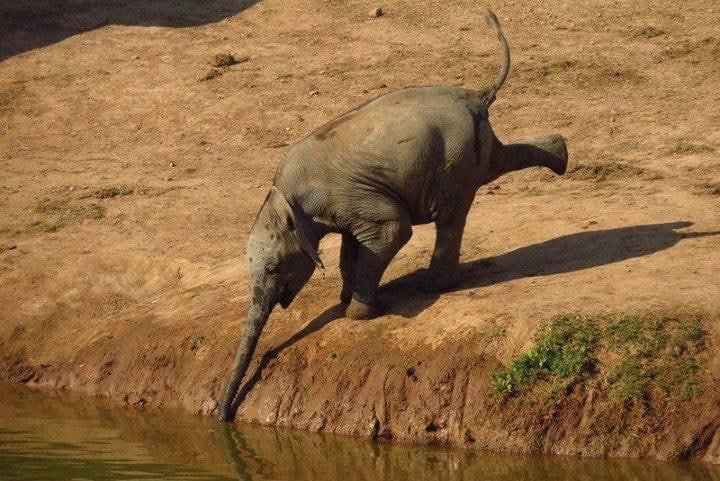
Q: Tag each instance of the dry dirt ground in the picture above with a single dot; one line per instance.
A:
(128, 186)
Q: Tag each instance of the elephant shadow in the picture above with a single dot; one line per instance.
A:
(569, 253)
(31, 24)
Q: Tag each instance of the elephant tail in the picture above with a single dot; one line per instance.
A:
(491, 92)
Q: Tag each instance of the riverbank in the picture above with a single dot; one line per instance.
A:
(627, 386)
(53, 435)
(129, 186)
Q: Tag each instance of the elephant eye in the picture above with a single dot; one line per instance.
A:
(272, 269)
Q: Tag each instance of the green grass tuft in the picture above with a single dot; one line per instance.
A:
(657, 355)
(629, 379)
(562, 354)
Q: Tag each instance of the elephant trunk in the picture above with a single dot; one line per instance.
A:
(549, 151)
(257, 317)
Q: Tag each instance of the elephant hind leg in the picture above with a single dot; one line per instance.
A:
(443, 271)
(348, 259)
(376, 248)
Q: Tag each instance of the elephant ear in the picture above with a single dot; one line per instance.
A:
(302, 225)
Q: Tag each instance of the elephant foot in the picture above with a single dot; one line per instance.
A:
(438, 283)
(358, 310)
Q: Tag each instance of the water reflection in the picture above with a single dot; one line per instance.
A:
(52, 436)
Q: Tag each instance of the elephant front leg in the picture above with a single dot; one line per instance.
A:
(348, 259)
(443, 271)
(375, 252)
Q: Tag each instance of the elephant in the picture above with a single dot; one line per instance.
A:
(412, 156)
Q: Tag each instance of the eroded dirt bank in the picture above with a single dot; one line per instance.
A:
(248, 452)
(128, 187)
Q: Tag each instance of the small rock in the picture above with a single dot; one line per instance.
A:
(172, 164)
(223, 60)
(136, 57)
(314, 93)
(376, 12)
(276, 144)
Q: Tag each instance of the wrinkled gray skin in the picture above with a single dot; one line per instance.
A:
(409, 157)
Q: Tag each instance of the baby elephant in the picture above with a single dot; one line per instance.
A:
(409, 157)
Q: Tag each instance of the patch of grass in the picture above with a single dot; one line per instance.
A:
(494, 333)
(551, 68)
(67, 209)
(629, 379)
(646, 32)
(684, 380)
(563, 353)
(705, 50)
(656, 355)
(586, 72)
(63, 212)
(110, 191)
(212, 73)
(686, 148)
(625, 146)
(624, 329)
(710, 187)
(604, 171)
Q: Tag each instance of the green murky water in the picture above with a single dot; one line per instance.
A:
(53, 436)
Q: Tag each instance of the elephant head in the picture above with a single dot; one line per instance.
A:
(282, 255)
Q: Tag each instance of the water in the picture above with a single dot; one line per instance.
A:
(65, 437)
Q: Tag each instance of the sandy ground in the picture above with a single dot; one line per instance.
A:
(128, 186)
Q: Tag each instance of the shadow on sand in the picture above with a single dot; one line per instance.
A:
(31, 24)
(569, 253)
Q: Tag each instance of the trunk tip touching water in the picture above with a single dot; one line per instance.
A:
(257, 316)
